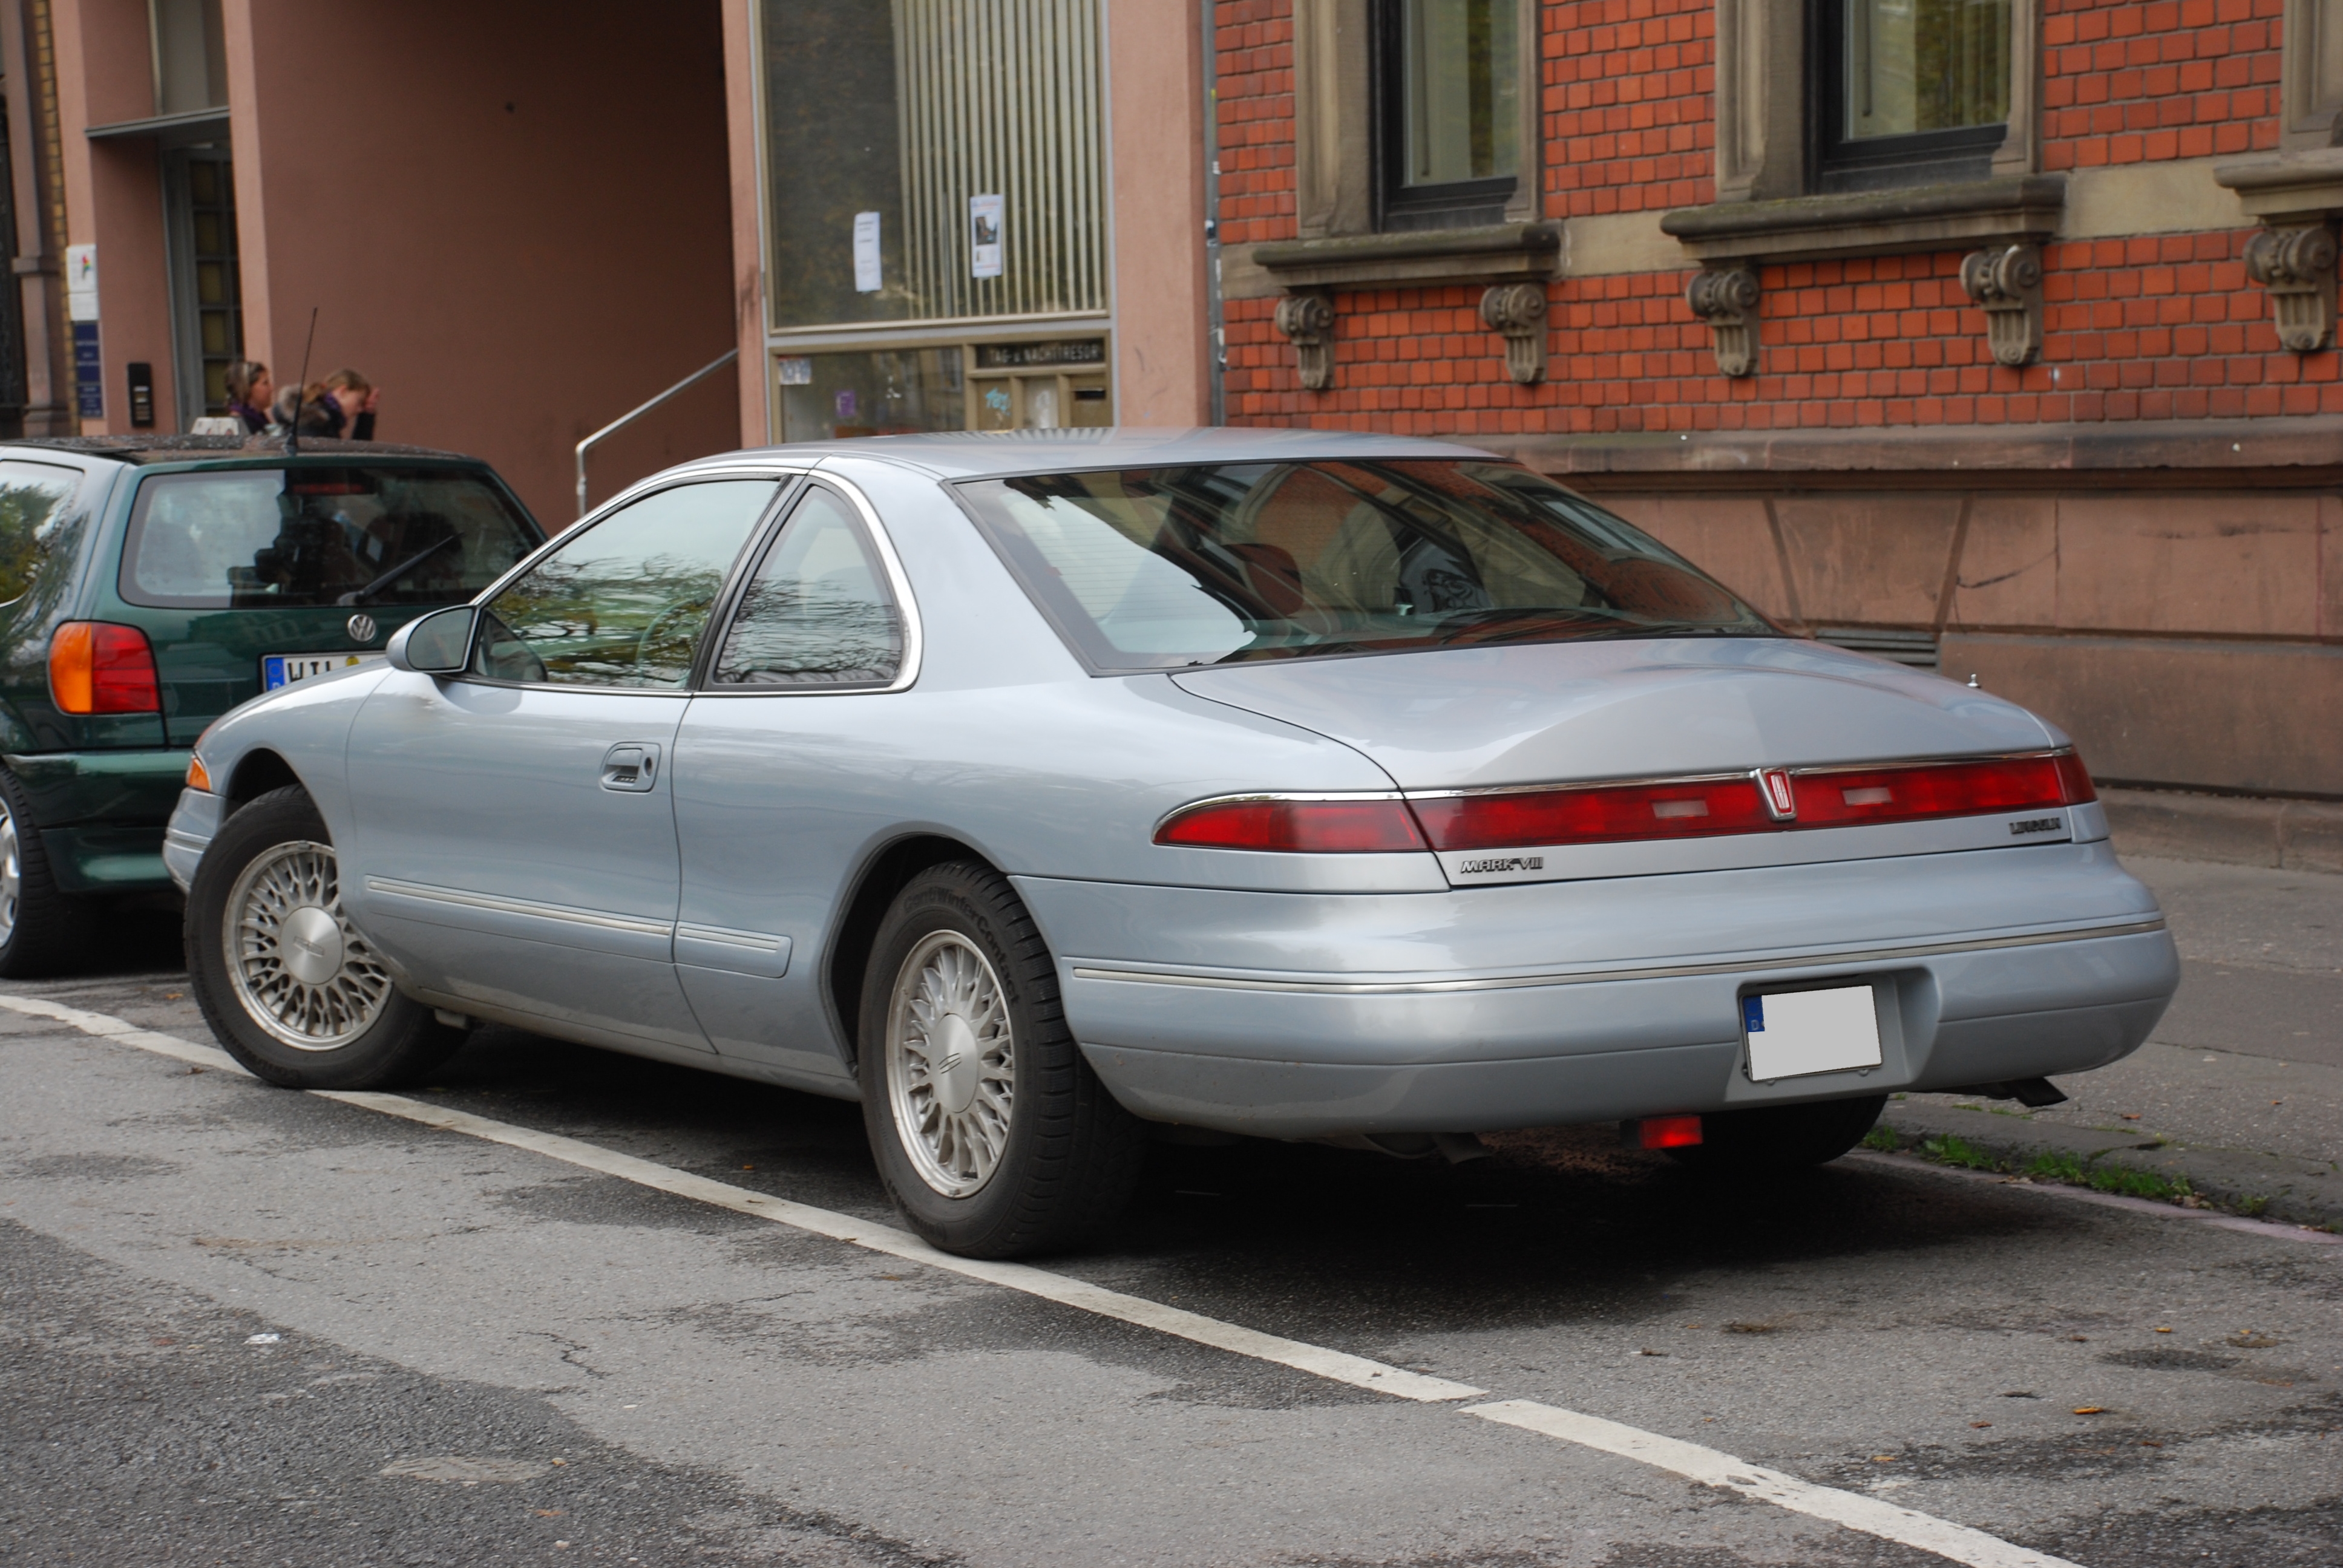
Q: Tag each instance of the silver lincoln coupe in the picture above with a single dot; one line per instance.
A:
(1034, 789)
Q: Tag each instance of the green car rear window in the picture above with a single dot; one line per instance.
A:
(282, 537)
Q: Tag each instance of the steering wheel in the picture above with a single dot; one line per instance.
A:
(643, 644)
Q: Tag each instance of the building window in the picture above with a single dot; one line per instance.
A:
(2312, 74)
(931, 160)
(206, 315)
(1448, 97)
(1911, 92)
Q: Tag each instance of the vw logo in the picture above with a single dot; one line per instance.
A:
(361, 629)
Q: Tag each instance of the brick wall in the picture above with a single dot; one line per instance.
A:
(2158, 327)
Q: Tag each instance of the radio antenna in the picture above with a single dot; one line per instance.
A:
(301, 390)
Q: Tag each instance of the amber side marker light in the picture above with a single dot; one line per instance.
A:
(198, 776)
(1664, 1132)
(97, 667)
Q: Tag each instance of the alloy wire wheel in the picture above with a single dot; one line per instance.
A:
(303, 975)
(12, 874)
(952, 1064)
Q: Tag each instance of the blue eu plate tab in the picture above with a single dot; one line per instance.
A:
(1752, 1014)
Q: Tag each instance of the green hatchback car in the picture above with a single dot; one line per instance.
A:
(148, 585)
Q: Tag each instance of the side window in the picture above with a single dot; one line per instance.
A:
(33, 498)
(625, 601)
(818, 612)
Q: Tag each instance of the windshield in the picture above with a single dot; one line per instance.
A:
(1160, 569)
(281, 538)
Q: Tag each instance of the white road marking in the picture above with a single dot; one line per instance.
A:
(1705, 1465)
(1722, 1471)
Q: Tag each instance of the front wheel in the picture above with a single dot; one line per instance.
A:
(991, 1132)
(290, 987)
(1773, 1139)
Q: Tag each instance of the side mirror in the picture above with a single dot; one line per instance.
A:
(439, 643)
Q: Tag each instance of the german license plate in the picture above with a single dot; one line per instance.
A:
(284, 668)
(1794, 1033)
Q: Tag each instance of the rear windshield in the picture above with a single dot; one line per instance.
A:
(1161, 568)
(280, 537)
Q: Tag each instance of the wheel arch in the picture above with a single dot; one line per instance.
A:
(257, 772)
(886, 874)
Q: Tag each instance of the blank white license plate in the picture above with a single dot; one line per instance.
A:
(1792, 1033)
(284, 668)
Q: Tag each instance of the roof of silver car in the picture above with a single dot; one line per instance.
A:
(978, 454)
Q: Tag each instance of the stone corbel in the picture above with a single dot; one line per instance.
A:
(1724, 293)
(2008, 281)
(2297, 266)
(2298, 199)
(1517, 310)
(1307, 317)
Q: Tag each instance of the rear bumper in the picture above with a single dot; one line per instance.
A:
(101, 814)
(1636, 1010)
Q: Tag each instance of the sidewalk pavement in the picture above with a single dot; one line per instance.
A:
(2239, 1090)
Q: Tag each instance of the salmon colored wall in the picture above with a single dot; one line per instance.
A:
(113, 198)
(1156, 131)
(748, 225)
(513, 217)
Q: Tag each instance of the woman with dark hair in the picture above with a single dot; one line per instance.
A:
(249, 394)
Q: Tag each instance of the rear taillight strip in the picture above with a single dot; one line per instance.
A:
(1691, 806)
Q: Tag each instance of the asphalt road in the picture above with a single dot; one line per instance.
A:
(489, 1355)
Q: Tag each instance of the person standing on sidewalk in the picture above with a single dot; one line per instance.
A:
(350, 402)
(249, 394)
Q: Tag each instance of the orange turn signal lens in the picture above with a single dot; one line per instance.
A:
(97, 667)
(198, 776)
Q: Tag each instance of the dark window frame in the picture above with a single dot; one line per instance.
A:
(1399, 207)
(1842, 165)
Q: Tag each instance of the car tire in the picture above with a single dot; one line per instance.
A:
(42, 929)
(291, 989)
(994, 1137)
(1773, 1139)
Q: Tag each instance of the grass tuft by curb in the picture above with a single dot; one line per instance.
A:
(2059, 1166)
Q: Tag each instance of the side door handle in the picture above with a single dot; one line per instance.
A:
(630, 767)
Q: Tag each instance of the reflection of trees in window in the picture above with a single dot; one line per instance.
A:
(613, 620)
(24, 535)
(791, 632)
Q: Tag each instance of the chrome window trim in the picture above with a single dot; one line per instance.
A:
(633, 493)
(899, 583)
(1592, 977)
(460, 898)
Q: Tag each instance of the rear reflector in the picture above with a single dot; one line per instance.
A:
(1602, 815)
(1304, 827)
(1705, 807)
(1667, 1131)
(1943, 790)
(97, 667)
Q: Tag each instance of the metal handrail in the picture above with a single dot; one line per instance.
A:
(623, 420)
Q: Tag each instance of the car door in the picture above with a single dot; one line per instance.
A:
(772, 787)
(514, 827)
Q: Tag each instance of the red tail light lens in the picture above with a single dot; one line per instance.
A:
(95, 667)
(1304, 827)
(1604, 814)
(1942, 789)
(1668, 1132)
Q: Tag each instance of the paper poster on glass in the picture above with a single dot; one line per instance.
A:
(867, 280)
(797, 370)
(984, 216)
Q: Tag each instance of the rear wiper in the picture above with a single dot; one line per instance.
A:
(359, 595)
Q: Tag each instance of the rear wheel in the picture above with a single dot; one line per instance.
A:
(993, 1133)
(42, 929)
(1778, 1137)
(290, 987)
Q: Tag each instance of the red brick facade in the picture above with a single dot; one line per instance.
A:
(2159, 327)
